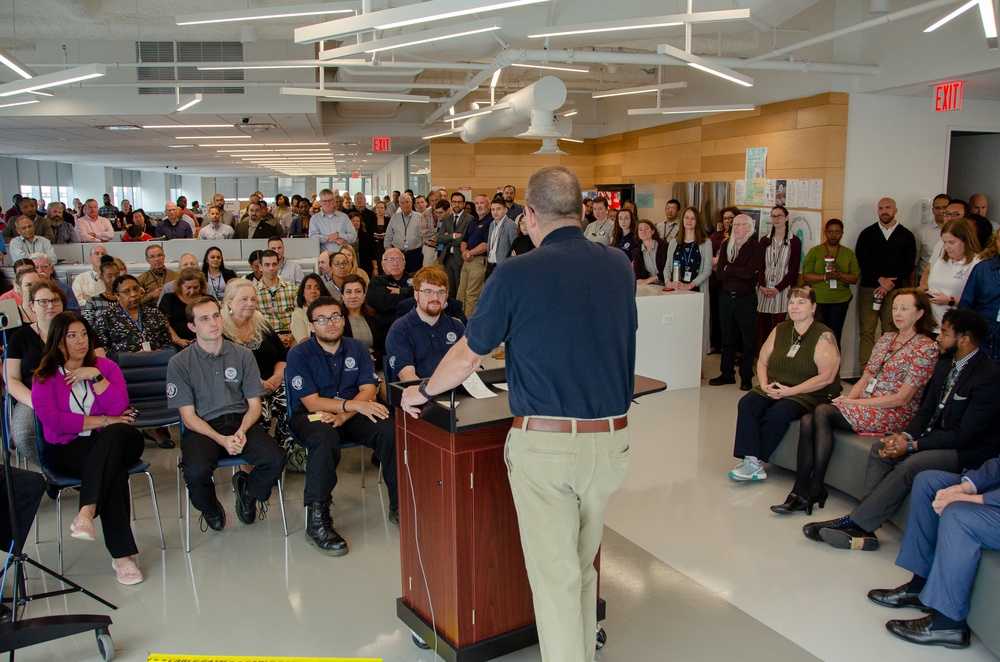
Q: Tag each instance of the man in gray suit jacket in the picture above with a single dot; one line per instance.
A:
(450, 237)
(503, 230)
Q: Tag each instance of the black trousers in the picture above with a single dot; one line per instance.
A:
(833, 315)
(761, 423)
(200, 456)
(29, 486)
(100, 461)
(453, 267)
(738, 317)
(323, 441)
(715, 339)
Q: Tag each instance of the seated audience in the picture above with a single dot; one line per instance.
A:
(87, 424)
(797, 369)
(221, 421)
(310, 289)
(882, 401)
(173, 305)
(418, 341)
(254, 262)
(135, 233)
(651, 259)
(24, 278)
(140, 219)
(312, 367)
(956, 428)
(26, 243)
(362, 322)
(96, 305)
(288, 271)
(392, 286)
(91, 227)
(43, 265)
(216, 273)
(173, 225)
(89, 283)
(132, 325)
(951, 263)
(347, 250)
(952, 519)
(244, 325)
(187, 261)
(62, 230)
(158, 275)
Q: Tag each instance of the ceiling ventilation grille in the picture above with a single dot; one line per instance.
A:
(188, 51)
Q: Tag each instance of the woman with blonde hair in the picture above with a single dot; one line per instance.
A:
(349, 251)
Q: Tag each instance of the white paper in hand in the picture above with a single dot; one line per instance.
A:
(476, 388)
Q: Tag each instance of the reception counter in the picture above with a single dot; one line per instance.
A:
(669, 341)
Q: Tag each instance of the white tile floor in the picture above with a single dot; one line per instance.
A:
(695, 567)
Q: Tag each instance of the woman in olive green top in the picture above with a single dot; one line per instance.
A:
(798, 368)
(831, 279)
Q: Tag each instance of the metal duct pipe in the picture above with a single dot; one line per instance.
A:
(546, 95)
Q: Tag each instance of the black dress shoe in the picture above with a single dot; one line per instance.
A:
(746, 385)
(812, 529)
(896, 598)
(721, 380)
(394, 515)
(215, 517)
(792, 503)
(852, 537)
(246, 506)
(918, 631)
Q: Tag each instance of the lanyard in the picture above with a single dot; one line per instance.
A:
(688, 251)
(331, 357)
(889, 353)
(495, 239)
(136, 320)
(406, 223)
(87, 392)
(218, 283)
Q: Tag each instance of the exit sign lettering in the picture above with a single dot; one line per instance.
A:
(948, 96)
(381, 144)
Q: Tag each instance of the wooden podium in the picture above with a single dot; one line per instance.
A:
(476, 602)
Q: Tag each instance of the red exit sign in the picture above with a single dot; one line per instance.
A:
(948, 96)
(381, 144)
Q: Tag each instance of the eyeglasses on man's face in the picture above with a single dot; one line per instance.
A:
(391, 260)
(434, 294)
(332, 319)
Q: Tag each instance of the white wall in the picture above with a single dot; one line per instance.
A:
(973, 168)
(898, 147)
(91, 181)
(154, 191)
(389, 178)
(191, 185)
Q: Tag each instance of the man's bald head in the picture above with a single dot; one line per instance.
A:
(978, 204)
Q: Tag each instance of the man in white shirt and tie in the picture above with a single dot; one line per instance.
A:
(27, 243)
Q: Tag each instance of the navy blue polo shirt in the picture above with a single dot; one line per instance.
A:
(412, 341)
(311, 369)
(567, 314)
(477, 232)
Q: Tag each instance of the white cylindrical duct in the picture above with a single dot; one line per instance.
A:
(548, 94)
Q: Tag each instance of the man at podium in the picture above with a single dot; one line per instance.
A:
(567, 451)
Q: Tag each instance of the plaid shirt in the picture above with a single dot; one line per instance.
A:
(108, 211)
(277, 304)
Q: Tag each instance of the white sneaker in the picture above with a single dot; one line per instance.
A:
(748, 470)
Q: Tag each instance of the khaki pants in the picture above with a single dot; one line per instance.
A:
(470, 284)
(868, 321)
(561, 484)
(430, 255)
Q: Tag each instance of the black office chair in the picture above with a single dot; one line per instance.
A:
(145, 376)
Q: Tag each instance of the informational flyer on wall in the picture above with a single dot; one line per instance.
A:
(756, 166)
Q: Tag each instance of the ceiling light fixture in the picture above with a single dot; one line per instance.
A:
(704, 65)
(955, 14)
(669, 20)
(15, 65)
(354, 96)
(986, 15)
(213, 137)
(397, 17)
(187, 126)
(645, 89)
(185, 106)
(572, 140)
(475, 113)
(412, 39)
(568, 113)
(118, 127)
(691, 109)
(67, 77)
(441, 135)
(288, 11)
(550, 67)
(18, 103)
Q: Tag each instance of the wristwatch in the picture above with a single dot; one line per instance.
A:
(98, 379)
(422, 389)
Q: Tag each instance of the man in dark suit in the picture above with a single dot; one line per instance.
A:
(255, 227)
(957, 427)
(450, 237)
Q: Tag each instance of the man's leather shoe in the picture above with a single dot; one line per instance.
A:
(320, 531)
(897, 598)
(394, 515)
(721, 380)
(746, 385)
(918, 631)
(812, 529)
(852, 537)
(246, 506)
(215, 517)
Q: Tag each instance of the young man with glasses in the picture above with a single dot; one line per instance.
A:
(418, 341)
(331, 393)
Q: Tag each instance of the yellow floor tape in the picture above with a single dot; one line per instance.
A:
(158, 657)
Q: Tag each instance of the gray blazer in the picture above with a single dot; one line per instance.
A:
(508, 232)
(446, 231)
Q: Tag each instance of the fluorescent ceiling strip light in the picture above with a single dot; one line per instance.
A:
(213, 137)
(288, 11)
(989, 18)
(955, 14)
(645, 89)
(476, 113)
(412, 39)
(187, 126)
(15, 65)
(705, 65)
(18, 103)
(691, 109)
(495, 79)
(397, 17)
(441, 135)
(549, 67)
(185, 106)
(666, 21)
(74, 75)
(354, 96)
(571, 140)
(238, 67)
(569, 113)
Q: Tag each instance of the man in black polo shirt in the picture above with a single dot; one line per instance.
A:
(217, 388)
(569, 402)
(418, 341)
(331, 379)
(390, 287)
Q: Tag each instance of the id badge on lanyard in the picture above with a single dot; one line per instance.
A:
(872, 383)
(793, 350)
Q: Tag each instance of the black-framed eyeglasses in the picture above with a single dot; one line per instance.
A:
(45, 303)
(341, 263)
(436, 294)
(332, 319)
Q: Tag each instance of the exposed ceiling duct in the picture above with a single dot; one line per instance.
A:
(535, 104)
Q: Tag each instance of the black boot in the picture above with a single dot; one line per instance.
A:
(320, 531)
